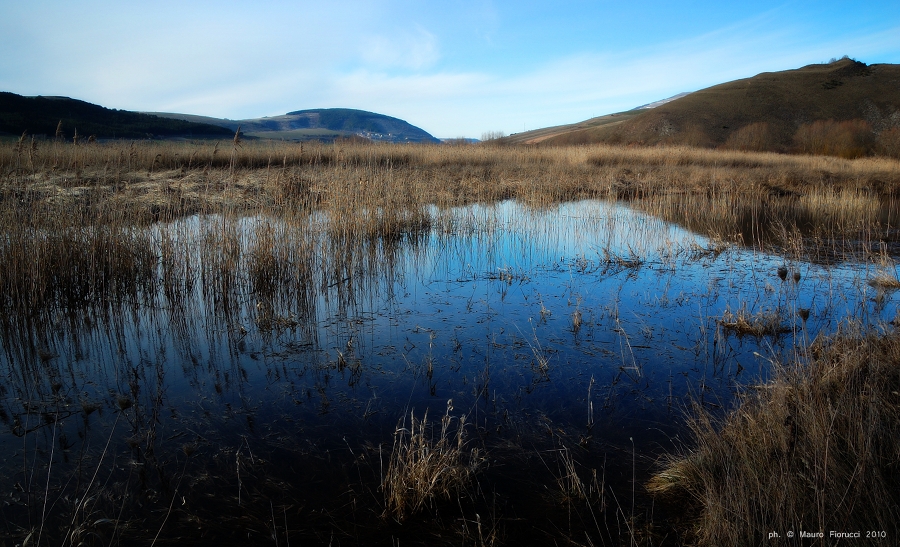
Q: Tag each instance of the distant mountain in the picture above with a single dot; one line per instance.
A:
(322, 124)
(765, 112)
(42, 116)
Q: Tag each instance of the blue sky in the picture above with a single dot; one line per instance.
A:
(453, 68)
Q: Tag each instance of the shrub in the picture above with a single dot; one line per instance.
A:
(847, 139)
(756, 137)
(888, 142)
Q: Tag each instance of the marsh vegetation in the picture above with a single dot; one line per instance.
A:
(463, 345)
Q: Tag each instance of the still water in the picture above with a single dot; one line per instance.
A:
(230, 405)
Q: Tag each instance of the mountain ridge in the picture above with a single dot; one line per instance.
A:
(58, 116)
(766, 112)
(320, 123)
(51, 115)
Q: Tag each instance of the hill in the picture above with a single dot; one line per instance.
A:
(580, 133)
(320, 124)
(42, 116)
(771, 111)
(573, 133)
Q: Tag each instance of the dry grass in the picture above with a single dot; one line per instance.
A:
(885, 278)
(70, 210)
(742, 322)
(815, 449)
(885, 281)
(426, 465)
(176, 176)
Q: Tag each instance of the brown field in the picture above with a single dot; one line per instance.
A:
(168, 179)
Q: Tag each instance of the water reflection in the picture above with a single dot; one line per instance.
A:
(268, 361)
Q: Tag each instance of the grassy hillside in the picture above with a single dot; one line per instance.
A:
(43, 115)
(770, 111)
(575, 133)
(321, 124)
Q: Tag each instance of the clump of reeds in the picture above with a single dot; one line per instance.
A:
(885, 278)
(885, 281)
(815, 449)
(571, 486)
(426, 465)
(72, 266)
(743, 322)
(847, 205)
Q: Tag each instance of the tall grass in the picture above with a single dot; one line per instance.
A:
(815, 450)
(427, 465)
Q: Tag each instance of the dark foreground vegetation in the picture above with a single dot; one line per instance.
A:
(814, 448)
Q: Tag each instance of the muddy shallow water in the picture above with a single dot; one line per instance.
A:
(246, 409)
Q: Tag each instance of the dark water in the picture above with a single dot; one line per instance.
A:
(268, 413)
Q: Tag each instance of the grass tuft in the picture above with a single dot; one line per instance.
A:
(815, 450)
(742, 322)
(426, 465)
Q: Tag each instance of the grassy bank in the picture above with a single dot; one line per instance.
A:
(814, 450)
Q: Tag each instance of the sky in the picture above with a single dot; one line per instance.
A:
(455, 69)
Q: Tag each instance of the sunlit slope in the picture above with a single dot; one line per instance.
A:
(781, 102)
(575, 133)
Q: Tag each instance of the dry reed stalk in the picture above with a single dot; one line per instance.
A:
(425, 466)
(742, 322)
(812, 450)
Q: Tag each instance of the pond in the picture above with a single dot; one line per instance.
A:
(260, 387)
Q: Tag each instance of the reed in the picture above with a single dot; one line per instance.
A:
(427, 465)
(814, 449)
(763, 323)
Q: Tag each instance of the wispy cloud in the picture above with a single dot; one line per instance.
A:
(415, 49)
(453, 71)
(576, 87)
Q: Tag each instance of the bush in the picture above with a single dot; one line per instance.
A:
(888, 143)
(756, 137)
(847, 139)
